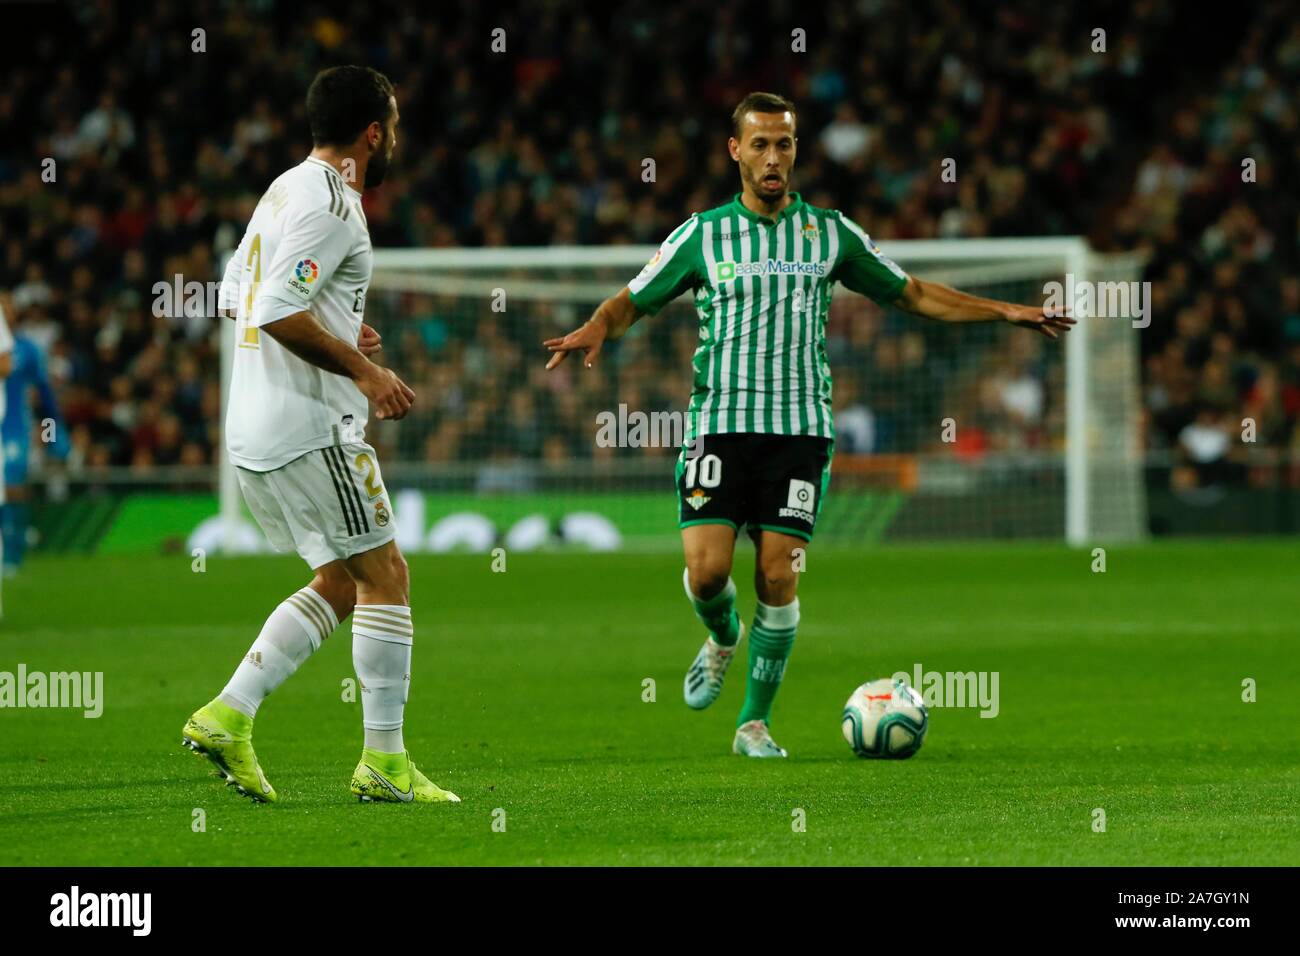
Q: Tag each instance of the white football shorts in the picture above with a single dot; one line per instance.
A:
(327, 505)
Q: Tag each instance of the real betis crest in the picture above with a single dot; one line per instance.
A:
(810, 231)
(697, 499)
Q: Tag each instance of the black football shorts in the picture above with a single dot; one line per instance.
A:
(769, 482)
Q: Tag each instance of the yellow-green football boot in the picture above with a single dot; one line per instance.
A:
(396, 779)
(225, 737)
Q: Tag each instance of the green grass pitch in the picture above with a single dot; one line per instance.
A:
(1120, 691)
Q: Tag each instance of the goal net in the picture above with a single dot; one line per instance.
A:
(944, 430)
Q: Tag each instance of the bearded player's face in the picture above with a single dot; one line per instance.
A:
(381, 155)
(765, 153)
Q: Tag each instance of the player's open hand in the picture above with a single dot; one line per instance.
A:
(587, 339)
(390, 396)
(369, 341)
(1040, 319)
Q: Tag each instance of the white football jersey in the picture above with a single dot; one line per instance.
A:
(306, 249)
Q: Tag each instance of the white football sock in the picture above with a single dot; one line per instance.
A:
(293, 631)
(381, 653)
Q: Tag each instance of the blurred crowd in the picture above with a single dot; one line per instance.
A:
(165, 122)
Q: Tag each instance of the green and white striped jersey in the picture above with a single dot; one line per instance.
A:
(762, 292)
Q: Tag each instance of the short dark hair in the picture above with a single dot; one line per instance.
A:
(760, 103)
(344, 100)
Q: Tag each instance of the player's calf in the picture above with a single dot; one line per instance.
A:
(708, 548)
(333, 583)
(293, 632)
(703, 682)
(382, 639)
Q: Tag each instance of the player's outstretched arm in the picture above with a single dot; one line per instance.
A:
(610, 321)
(306, 338)
(865, 269)
(937, 301)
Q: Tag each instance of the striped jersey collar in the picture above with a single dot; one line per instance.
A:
(796, 203)
(325, 165)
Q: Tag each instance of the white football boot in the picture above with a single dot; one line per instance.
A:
(703, 681)
(753, 739)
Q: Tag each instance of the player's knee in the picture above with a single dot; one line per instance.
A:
(776, 580)
(707, 577)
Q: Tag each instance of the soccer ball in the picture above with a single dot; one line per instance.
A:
(885, 718)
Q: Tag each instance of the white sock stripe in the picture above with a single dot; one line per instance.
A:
(399, 610)
(308, 617)
(386, 627)
(315, 598)
(369, 611)
(376, 634)
(380, 626)
(783, 618)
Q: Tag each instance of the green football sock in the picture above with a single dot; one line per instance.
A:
(718, 613)
(770, 642)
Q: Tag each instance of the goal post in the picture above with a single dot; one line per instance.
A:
(944, 430)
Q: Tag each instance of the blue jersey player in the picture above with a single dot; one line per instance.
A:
(28, 373)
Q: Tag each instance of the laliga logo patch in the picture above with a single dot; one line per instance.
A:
(659, 254)
(306, 270)
(304, 274)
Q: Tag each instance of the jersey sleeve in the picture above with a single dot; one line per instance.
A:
(864, 269)
(306, 257)
(671, 272)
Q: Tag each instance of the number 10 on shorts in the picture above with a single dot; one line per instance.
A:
(709, 468)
